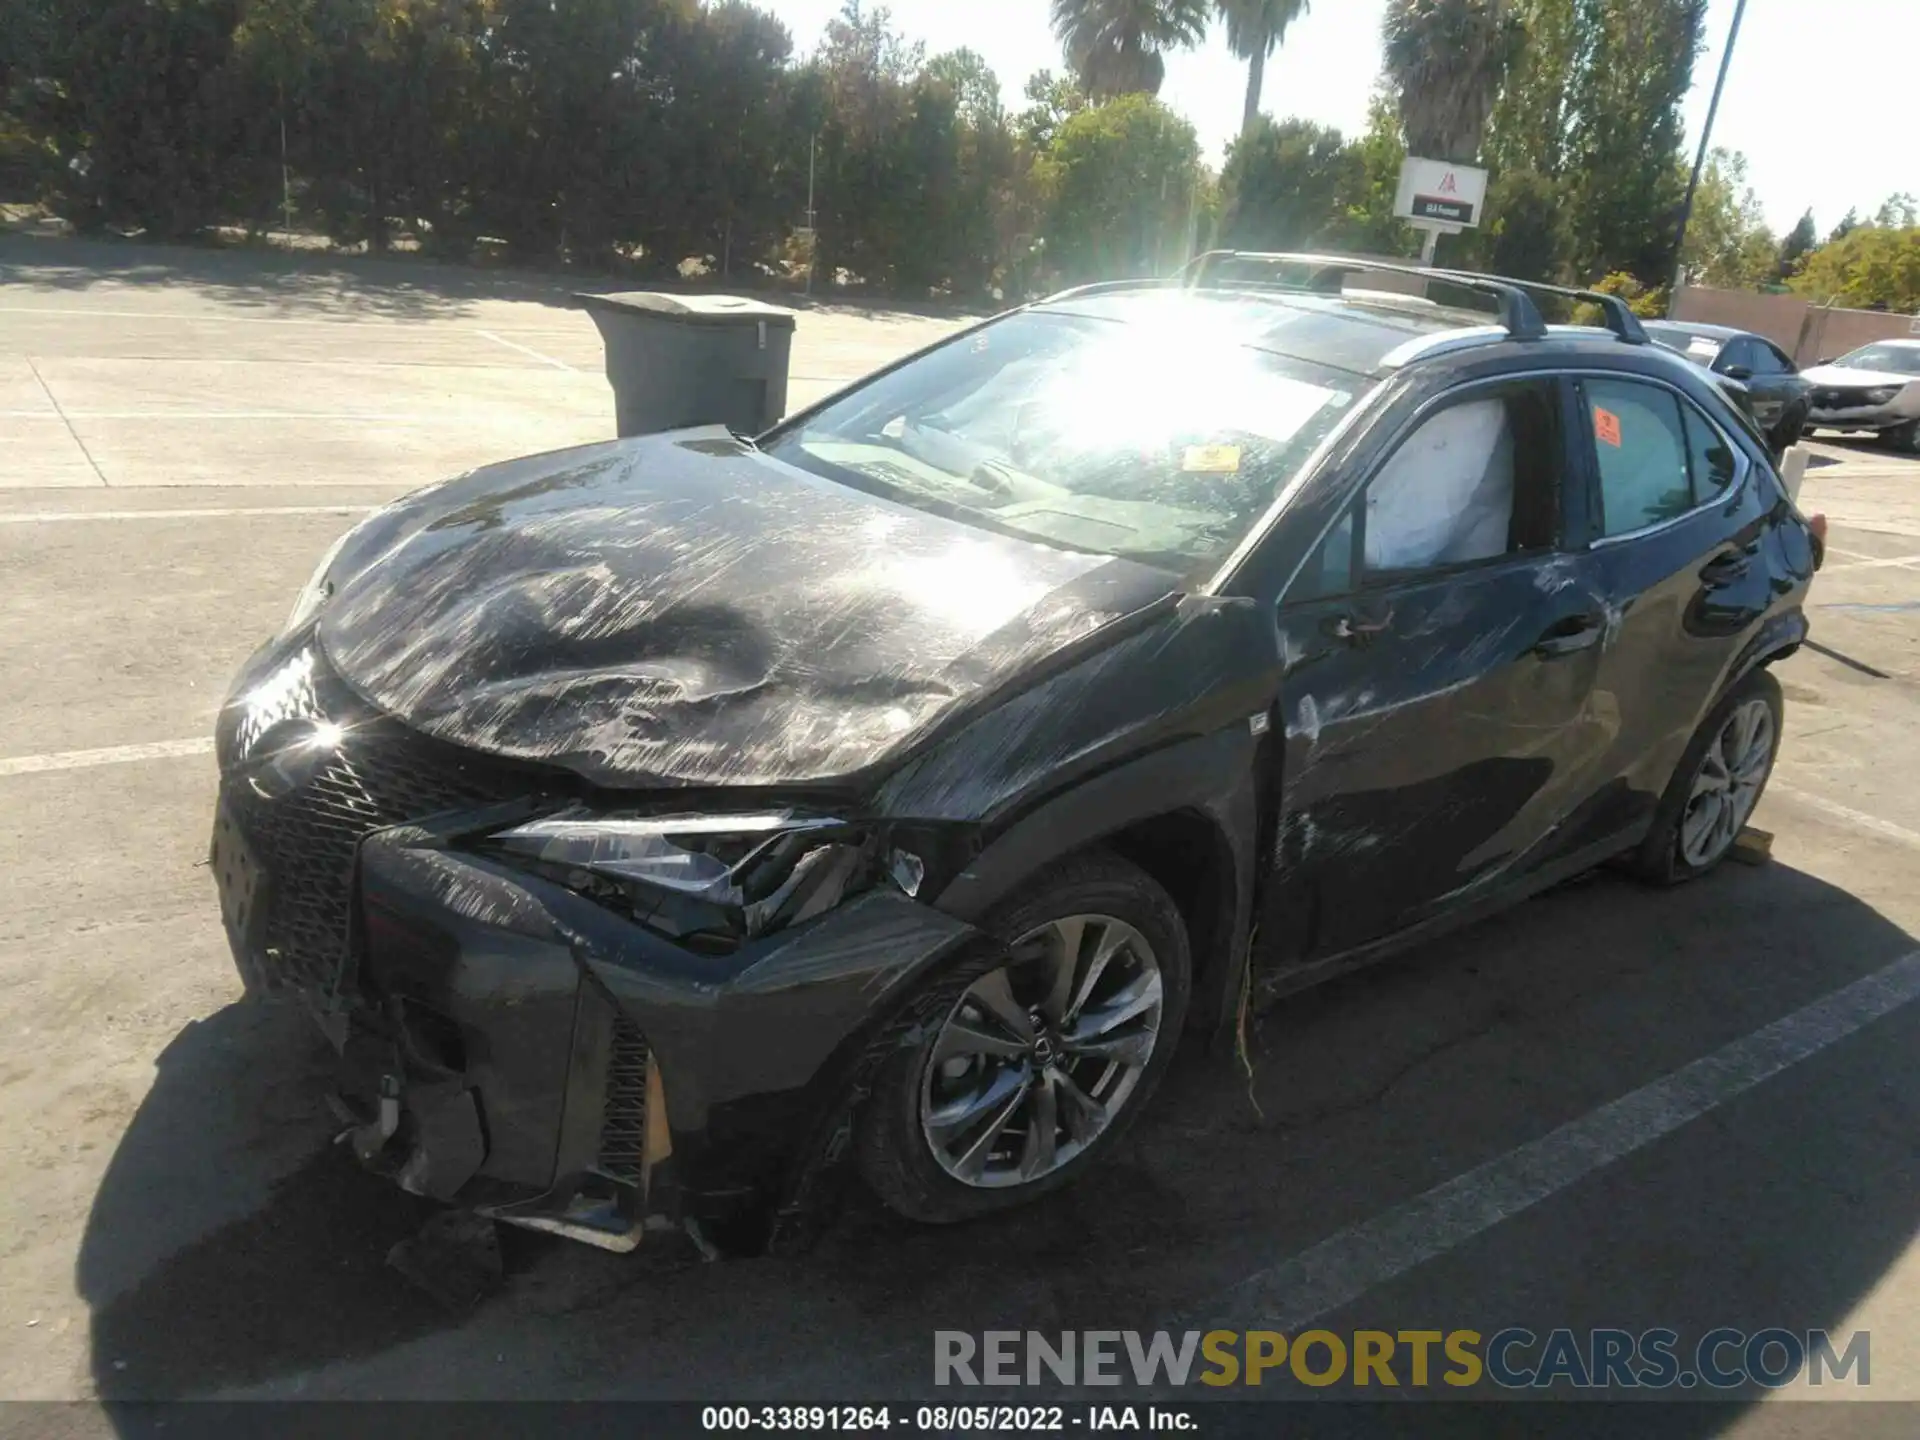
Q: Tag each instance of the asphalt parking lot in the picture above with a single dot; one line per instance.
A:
(1485, 1133)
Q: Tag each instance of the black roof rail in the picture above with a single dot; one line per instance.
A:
(1620, 318)
(1518, 313)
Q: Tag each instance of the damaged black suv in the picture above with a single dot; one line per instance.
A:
(655, 826)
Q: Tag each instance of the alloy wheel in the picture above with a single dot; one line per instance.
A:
(1038, 1057)
(1727, 784)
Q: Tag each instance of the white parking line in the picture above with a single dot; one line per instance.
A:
(1856, 561)
(1346, 1265)
(1844, 521)
(356, 417)
(1859, 819)
(112, 755)
(524, 350)
(345, 320)
(51, 517)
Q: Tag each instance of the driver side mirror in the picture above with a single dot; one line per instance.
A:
(1824, 360)
(1738, 372)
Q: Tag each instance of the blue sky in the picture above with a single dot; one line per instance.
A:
(1820, 98)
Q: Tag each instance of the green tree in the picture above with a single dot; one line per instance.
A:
(1284, 186)
(26, 46)
(713, 162)
(1254, 29)
(976, 89)
(1728, 243)
(1120, 183)
(1591, 108)
(144, 112)
(1525, 234)
(914, 156)
(1870, 267)
(868, 186)
(1368, 223)
(1897, 212)
(1849, 223)
(1118, 47)
(1529, 125)
(1634, 68)
(1051, 101)
(1446, 60)
(1800, 242)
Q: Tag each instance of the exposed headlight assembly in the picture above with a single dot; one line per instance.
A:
(708, 881)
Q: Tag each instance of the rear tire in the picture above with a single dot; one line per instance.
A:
(1717, 784)
(1019, 1080)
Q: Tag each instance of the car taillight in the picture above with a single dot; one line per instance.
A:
(1818, 525)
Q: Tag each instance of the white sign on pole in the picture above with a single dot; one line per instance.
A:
(1439, 195)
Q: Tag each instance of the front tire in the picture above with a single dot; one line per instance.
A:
(1717, 784)
(1789, 433)
(1905, 438)
(1027, 1069)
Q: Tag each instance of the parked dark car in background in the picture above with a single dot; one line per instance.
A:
(652, 824)
(1757, 373)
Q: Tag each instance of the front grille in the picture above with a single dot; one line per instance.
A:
(623, 1124)
(1839, 399)
(307, 842)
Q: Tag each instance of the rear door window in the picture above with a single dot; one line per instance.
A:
(1709, 456)
(1642, 455)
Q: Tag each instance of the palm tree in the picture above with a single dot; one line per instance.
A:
(1254, 28)
(1447, 58)
(1117, 47)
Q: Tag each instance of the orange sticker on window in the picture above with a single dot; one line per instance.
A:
(1606, 425)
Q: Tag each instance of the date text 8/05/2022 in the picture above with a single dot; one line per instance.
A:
(946, 1419)
(1513, 1358)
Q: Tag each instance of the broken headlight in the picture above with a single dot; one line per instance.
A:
(706, 881)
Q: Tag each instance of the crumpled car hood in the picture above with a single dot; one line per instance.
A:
(683, 610)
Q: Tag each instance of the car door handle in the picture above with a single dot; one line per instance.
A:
(1356, 629)
(1576, 632)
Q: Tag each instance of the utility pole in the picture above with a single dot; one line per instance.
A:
(1706, 138)
(813, 235)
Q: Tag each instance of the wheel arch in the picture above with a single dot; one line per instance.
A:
(1186, 814)
(1779, 637)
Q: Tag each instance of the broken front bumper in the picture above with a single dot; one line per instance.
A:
(511, 1046)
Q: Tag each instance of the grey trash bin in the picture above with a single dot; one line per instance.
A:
(679, 360)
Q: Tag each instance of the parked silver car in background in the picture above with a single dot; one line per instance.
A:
(1876, 388)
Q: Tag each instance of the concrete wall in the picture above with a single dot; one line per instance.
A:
(1806, 332)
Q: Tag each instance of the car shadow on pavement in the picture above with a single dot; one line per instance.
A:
(230, 1239)
(1866, 447)
(1352, 1099)
(394, 287)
